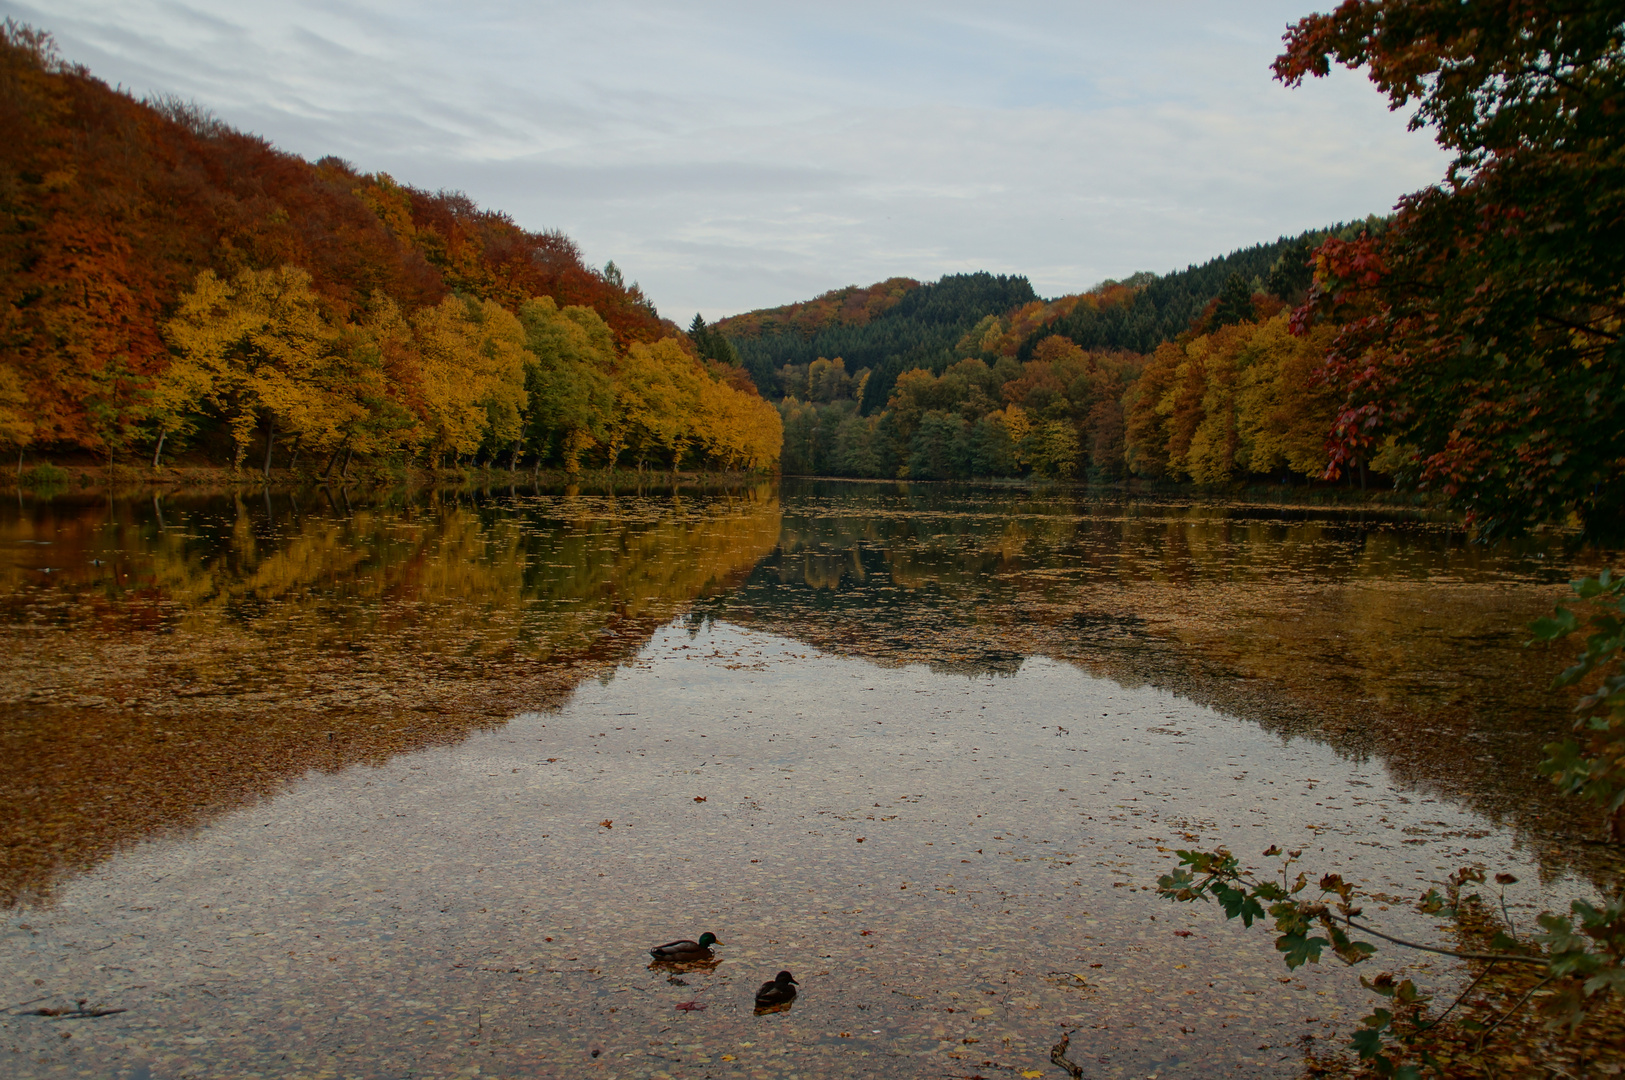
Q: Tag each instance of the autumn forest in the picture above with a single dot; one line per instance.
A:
(178, 288)
(172, 285)
(1150, 379)
(175, 289)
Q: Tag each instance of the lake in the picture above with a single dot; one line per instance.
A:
(320, 784)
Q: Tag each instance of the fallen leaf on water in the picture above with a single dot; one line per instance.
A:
(691, 1006)
(607, 823)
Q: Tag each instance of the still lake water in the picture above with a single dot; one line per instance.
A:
(316, 787)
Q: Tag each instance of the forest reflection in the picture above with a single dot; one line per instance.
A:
(170, 658)
(1382, 632)
(167, 659)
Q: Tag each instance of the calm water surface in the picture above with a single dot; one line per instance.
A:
(312, 788)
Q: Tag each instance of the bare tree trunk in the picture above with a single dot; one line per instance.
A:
(344, 473)
(292, 460)
(330, 461)
(159, 452)
(513, 459)
(270, 440)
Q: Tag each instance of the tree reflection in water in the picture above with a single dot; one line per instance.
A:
(166, 659)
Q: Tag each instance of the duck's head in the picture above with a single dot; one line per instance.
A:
(708, 939)
(786, 977)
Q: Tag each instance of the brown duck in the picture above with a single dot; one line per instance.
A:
(781, 991)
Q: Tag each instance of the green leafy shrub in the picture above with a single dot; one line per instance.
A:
(43, 475)
(1593, 765)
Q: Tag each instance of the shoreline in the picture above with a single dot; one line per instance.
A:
(134, 479)
(71, 477)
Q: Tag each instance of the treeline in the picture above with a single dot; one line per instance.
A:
(1191, 377)
(898, 324)
(461, 379)
(1240, 400)
(165, 279)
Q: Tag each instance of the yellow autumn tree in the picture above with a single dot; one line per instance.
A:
(471, 357)
(739, 430)
(1210, 456)
(254, 348)
(570, 377)
(1283, 411)
(658, 391)
(374, 373)
(16, 425)
(1242, 400)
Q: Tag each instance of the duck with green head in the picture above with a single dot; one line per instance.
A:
(686, 950)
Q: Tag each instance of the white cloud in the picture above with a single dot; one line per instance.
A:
(737, 155)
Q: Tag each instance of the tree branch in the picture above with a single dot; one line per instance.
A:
(1579, 328)
(1461, 997)
(1491, 1029)
(1514, 958)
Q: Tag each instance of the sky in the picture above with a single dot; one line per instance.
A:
(730, 156)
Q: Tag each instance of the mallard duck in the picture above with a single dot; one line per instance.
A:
(686, 950)
(781, 991)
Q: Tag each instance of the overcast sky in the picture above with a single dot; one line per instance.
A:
(740, 155)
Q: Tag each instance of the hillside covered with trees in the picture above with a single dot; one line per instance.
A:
(167, 282)
(1190, 376)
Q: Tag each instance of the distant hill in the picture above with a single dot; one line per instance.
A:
(851, 306)
(899, 324)
(913, 326)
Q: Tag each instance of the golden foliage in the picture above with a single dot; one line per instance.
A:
(1241, 400)
(458, 377)
(472, 356)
